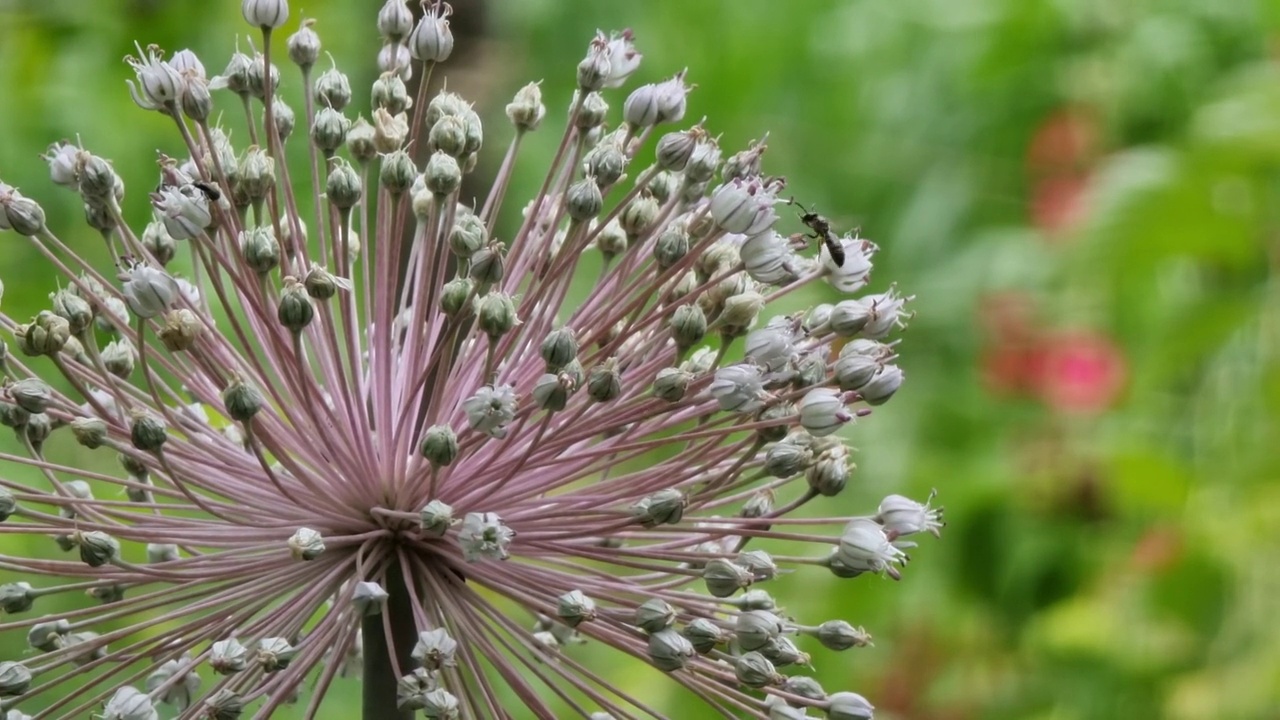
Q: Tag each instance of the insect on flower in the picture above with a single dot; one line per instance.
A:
(821, 228)
(349, 431)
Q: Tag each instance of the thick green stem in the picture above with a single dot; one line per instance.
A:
(379, 685)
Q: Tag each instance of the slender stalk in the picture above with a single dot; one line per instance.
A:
(386, 657)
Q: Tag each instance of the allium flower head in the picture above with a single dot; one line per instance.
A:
(348, 421)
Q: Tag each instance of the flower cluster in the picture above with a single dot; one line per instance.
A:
(357, 432)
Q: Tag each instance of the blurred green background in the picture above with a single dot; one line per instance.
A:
(1082, 194)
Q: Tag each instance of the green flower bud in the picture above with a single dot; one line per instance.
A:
(663, 186)
(106, 594)
(665, 507)
(782, 413)
(551, 391)
(38, 428)
(179, 693)
(46, 335)
(688, 326)
(723, 578)
(283, 117)
(389, 91)
(96, 548)
(362, 141)
(468, 236)
(704, 634)
(449, 136)
(611, 241)
(242, 401)
(706, 159)
(756, 628)
(22, 214)
(840, 635)
(606, 163)
(295, 310)
(436, 518)
(848, 706)
(320, 283)
(91, 648)
(526, 110)
(575, 608)
(583, 201)
(8, 504)
(848, 318)
(639, 215)
(754, 670)
(332, 89)
(15, 678)
(756, 600)
(783, 651)
(805, 687)
(495, 314)
(604, 382)
(147, 432)
(260, 250)
(669, 650)
(31, 394)
(330, 130)
(257, 176)
(48, 636)
(133, 465)
(304, 45)
(488, 266)
(454, 296)
(16, 597)
(675, 149)
(13, 416)
(593, 112)
(397, 173)
(75, 309)
(655, 615)
(162, 553)
(118, 357)
(559, 348)
(439, 445)
(671, 384)
(443, 176)
(343, 188)
(672, 245)
(224, 705)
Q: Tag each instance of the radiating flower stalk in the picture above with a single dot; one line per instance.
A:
(365, 435)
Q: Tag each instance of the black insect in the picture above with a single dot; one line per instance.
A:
(210, 190)
(821, 228)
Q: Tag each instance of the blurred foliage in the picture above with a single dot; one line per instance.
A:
(1082, 196)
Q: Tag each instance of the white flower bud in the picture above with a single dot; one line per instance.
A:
(526, 110)
(159, 85)
(738, 388)
(432, 40)
(435, 649)
(395, 21)
(903, 516)
(128, 703)
(265, 13)
(848, 706)
(484, 536)
(306, 544)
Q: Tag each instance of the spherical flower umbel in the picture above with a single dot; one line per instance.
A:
(352, 424)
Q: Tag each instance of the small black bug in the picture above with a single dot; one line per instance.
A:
(210, 190)
(821, 228)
